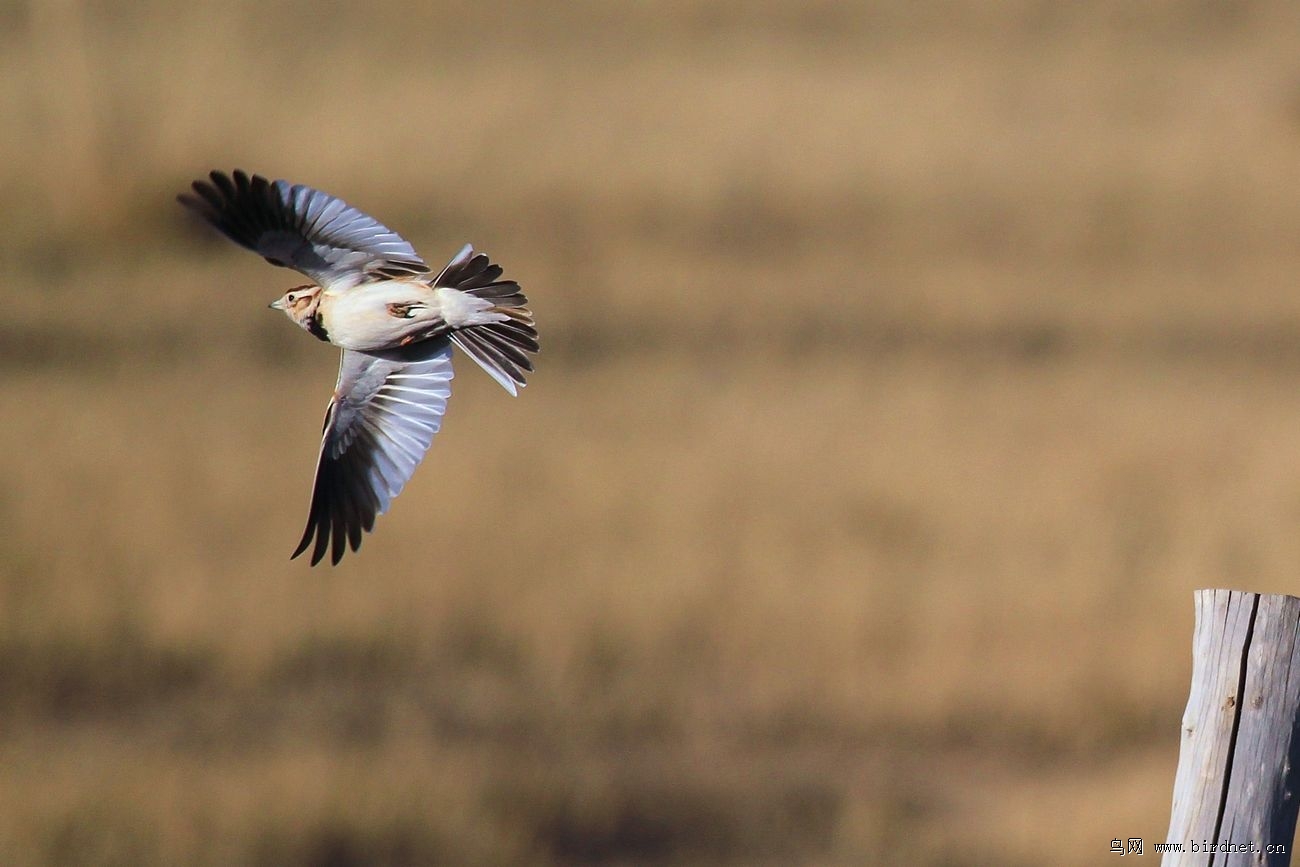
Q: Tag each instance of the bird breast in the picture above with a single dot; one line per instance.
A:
(376, 316)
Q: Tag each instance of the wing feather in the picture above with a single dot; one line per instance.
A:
(298, 227)
(387, 408)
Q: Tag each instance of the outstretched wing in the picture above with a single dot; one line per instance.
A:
(298, 227)
(386, 409)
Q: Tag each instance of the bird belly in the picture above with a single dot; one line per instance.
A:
(378, 316)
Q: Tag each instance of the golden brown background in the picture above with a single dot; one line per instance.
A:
(905, 368)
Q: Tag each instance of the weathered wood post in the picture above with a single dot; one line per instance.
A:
(1240, 745)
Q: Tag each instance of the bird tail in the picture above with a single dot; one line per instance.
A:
(502, 345)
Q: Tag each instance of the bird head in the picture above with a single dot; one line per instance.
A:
(299, 304)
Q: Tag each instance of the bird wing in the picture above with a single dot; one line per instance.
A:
(386, 408)
(297, 227)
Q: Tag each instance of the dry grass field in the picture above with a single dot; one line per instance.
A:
(906, 366)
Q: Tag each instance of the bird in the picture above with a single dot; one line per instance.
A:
(395, 320)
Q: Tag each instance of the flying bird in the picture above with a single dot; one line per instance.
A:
(395, 320)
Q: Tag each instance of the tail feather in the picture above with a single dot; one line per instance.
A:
(505, 345)
(500, 346)
(502, 293)
(523, 336)
(501, 368)
(468, 270)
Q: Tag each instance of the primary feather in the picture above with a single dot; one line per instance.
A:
(301, 228)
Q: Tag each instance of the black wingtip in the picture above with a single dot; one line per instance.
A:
(302, 546)
(310, 532)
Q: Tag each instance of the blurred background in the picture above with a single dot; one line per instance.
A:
(905, 368)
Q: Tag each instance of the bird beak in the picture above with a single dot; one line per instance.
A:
(278, 304)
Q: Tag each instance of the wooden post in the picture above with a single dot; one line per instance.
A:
(1240, 746)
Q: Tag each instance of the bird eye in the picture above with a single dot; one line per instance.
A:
(290, 298)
